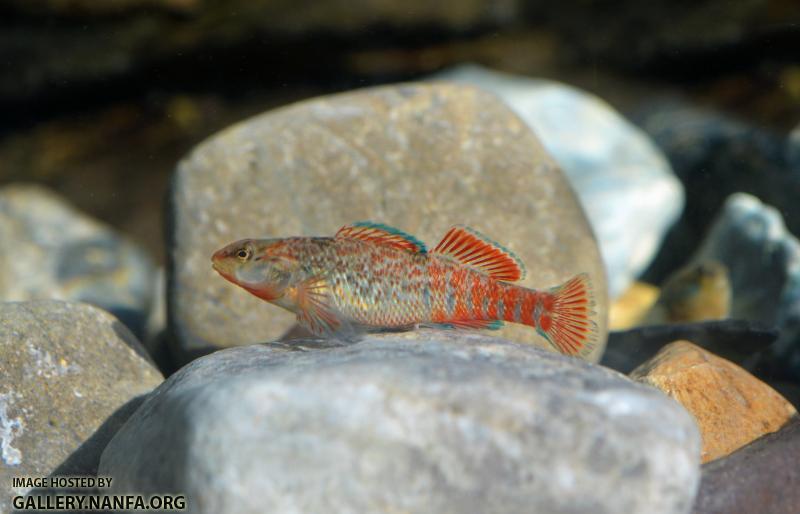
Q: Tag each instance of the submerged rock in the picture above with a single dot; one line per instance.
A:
(48, 250)
(761, 477)
(71, 374)
(699, 291)
(620, 176)
(763, 260)
(715, 157)
(418, 157)
(630, 309)
(432, 421)
(731, 406)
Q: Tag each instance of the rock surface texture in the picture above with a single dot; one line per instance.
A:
(418, 157)
(620, 176)
(761, 477)
(67, 369)
(433, 421)
(48, 250)
(731, 406)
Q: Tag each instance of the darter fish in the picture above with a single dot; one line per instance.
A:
(371, 276)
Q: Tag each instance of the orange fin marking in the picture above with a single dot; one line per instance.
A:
(565, 317)
(473, 249)
(315, 312)
(381, 234)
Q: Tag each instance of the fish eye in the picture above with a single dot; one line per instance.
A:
(243, 254)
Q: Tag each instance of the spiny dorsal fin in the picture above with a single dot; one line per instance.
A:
(381, 234)
(472, 248)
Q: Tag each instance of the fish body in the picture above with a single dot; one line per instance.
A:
(370, 276)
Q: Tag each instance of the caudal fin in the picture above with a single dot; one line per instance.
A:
(567, 317)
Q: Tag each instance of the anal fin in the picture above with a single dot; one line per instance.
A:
(472, 324)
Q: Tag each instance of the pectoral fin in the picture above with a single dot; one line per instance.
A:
(315, 307)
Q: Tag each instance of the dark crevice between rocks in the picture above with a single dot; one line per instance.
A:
(735, 340)
(775, 44)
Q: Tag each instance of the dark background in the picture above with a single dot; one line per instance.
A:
(101, 98)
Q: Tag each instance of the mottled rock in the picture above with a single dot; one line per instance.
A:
(620, 176)
(418, 157)
(731, 406)
(632, 306)
(761, 477)
(70, 374)
(733, 339)
(763, 260)
(431, 421)
(716, 156)
(699, 291)
(49, 250)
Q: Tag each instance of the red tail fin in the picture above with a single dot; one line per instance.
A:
(566, 316)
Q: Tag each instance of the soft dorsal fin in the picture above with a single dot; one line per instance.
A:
(472, 248)
(381, 234)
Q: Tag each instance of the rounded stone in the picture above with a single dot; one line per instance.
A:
(69, 372)
(432, 421)
(418, 157)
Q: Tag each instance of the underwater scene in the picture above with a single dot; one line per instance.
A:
(384, 256)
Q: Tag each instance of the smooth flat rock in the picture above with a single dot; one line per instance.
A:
(432, 421)
(621, 177)
(418, 157)
(731, 406)
(69, 374)
(49, 250)
(761, 477)
(763, 261)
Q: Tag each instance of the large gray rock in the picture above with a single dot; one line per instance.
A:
(763, 260)
(620, 176)
(424, 422)
(49, 250)
(69, 374)
(419, 157)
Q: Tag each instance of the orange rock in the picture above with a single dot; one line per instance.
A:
(731, 406)
(630, 309)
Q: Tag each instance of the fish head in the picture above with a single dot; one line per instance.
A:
(261, 266)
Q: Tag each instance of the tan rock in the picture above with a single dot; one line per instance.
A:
(697, 292)
(629, 310)
(731, 406)
(417, 157)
